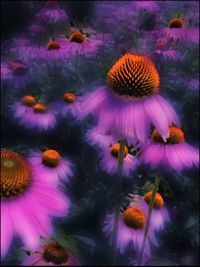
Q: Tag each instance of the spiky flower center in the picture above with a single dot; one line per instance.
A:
(114, 150)
(134, 218)
(40, 108)
(176, 23)
(133, 75)
(176, 136)
(15, 174)
(18, 68)
(69, 97)
(55, 253)
(28, 100)
(158, 201)
(51, 158)
(77, 37)
(53, 45)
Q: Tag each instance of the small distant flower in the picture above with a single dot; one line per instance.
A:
(159, 216)
(132, 223)
(148, 6)
(130, 104)
(27, 202)
(52, 13)
(193, 84)
(51, 165)
(69, 105)
(51, 254)
(179, 30)
(172, 153)
(33, 115)
(109, 161)
(15, 74)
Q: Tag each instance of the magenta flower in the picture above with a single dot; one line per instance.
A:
(109, 160)
(33, 115)
(160, 215)
(131, 229)
(51, 254)
(51, 165)
(130, 104)
(172, 154)
(27, 202)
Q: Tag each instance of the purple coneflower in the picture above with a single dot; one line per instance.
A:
(160, 215)
(51, 254)
(173, 153)
(69, 105)
(52, 13)
(130, 104)
(109, 161)
(132, 222)
(27, 201)
(51, 165)
(33, 115)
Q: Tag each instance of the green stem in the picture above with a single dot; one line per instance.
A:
(117, 200)
(146, 230)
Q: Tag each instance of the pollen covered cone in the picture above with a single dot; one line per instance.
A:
(15, 174)
(40, 108)
(158, 201)
(176, 136)
(28, 100)
(55, 253)
(134, 218)
(134, 76)
(77, 37)
(114, 150)
(69, 97)
(51, 158)
(176, 23)
(53, 45)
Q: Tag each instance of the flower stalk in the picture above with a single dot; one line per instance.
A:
(146, 230)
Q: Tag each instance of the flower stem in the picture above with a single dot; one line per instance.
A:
(146, 230)
(117, 200)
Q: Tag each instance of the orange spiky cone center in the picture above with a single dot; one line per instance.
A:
(28, 100)
(51, 158)
(77, 37)
(53, 45)
(158, 201)
(55, 253)
(176, 136)
(15, 174)
(40, 108)
(69, 97)
(114, 150)
(176, 23)
(134, 76)
(134, 218)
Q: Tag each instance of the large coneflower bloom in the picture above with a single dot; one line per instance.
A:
(52, 13)
(51, 254)
(172, 153)
(70, 104)
(27, 202)
(33, 115)
(160, 215)
(130, 103)
(109, 160)
(51, 165)
(132, 223)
